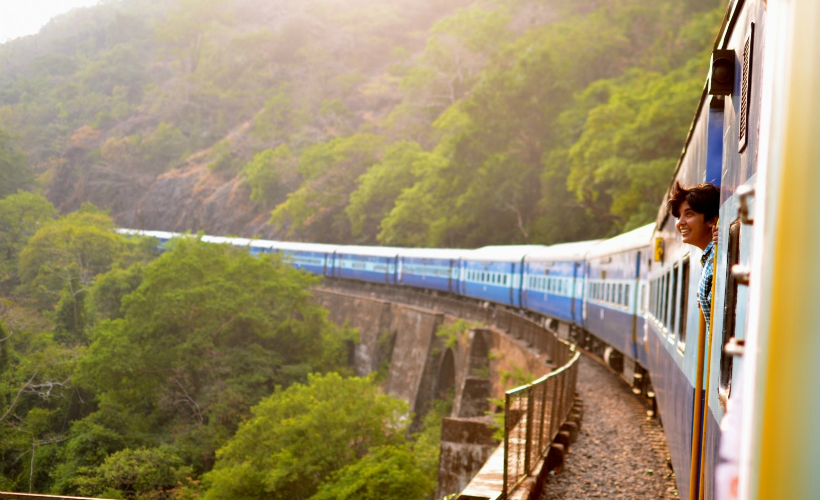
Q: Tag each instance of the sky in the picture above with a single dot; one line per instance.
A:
(26, 17)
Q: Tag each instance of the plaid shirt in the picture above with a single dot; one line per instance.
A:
(705, 285)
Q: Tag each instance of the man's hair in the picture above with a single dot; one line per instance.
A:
(703, 199)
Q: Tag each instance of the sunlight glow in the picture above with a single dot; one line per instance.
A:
(19, 18)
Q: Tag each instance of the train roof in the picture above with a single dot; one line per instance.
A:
(433, 253)
(162, 235)
(369, 251)
(637, 238)
(562, 252)
(222, 240)
(305, 247)
(502, 253)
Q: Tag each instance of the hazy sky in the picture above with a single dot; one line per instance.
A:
(26, 17)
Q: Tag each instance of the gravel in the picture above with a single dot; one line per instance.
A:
(620, 453)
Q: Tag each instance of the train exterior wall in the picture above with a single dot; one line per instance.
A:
(551, 288)
(434, 274)
(493, 281)
(377, 269)
(611, 300)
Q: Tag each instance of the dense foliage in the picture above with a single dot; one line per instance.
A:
(122, 372)
(432, 123)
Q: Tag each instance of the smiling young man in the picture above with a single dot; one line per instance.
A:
(696, 209)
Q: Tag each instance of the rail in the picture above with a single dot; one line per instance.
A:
(533, 415)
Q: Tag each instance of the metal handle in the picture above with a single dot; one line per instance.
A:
(743, 195)
(734, 347)
(741, 274)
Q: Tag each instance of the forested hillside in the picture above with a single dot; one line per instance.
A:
(408, 122)
(201, 372)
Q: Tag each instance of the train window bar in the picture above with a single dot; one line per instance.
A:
(684, 303)
(729, 309)
(665, 303)
(673, 302)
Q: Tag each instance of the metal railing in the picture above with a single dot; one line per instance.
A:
(533, 415)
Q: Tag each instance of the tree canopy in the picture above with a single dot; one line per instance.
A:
(299, 436)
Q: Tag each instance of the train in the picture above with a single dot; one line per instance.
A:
(737, 401)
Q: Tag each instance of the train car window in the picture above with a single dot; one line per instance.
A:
(729, 307)
(642, 303)
(664, 292)
(658, 299)
(684, 302)
(667, 290)
(673, 314)
(626, 295)
(620, 294)
(505, 279)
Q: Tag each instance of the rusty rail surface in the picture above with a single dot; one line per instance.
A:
(533, 415)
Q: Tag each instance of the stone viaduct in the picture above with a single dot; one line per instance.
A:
(427, 346)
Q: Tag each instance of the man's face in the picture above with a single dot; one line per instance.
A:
(692, 228)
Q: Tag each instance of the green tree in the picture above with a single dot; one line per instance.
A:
(61, 259)
(143, 473)
(271, 175)
(379, 187)
(386, 473)
(209, 332)
(21, 215)
(37, 397)
(299, 436)
(315, 211)
(14, 171)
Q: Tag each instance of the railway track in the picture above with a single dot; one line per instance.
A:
(621, 452)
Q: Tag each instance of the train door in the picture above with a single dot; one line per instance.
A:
(574, 296)
(633, 309)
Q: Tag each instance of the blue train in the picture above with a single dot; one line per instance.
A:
(632, 298)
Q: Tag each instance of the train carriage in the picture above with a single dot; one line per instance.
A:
(316, 258)
(376, 264)
(554, 280)
(162, 237)
(615, 288)
(494, 273)
(434, 269)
